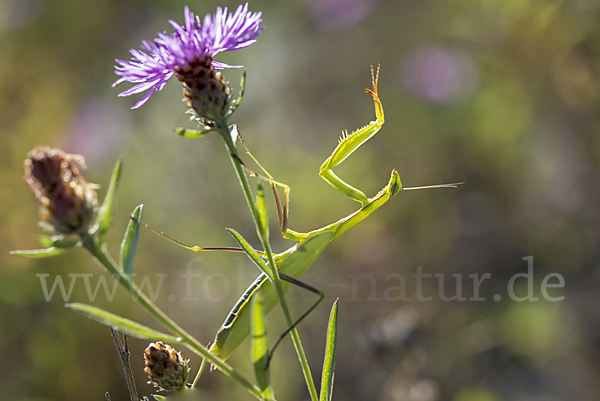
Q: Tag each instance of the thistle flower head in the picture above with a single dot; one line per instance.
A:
(165, 367)
(188, 53)
(68, 201)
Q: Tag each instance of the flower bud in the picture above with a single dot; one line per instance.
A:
(165, 367)
(68, 201)
(205, 91)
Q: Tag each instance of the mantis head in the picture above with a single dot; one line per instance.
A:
(395, 185)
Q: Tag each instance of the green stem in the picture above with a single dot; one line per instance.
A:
(243, 179)
(200, 370)
(100, 253)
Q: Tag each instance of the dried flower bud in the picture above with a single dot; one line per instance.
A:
(205, 91)
(68, 201)
(165, 367)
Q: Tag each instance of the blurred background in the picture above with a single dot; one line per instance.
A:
(500, 94)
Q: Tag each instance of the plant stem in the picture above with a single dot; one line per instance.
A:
(200, 370)
(243, 179)
(101, 254)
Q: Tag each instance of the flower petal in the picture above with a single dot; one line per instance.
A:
(151, 67)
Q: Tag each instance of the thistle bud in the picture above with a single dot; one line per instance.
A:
(165, 367)
(68, 201)
(205, 91)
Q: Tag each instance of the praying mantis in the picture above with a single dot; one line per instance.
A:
(293, 263)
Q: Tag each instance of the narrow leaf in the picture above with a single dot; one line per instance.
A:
(46, 241)
(191, 133)
(59, 242)
(252, 254)
(130, 240)
(329, 362)
(260, 347)
(158, 397)
(39, 253)
(128, 326)
(262, 208)
(107, 209)
(240, 97)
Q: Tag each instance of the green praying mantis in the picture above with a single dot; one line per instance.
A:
(294, 262)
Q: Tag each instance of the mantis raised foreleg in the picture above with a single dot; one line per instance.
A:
(349, 143)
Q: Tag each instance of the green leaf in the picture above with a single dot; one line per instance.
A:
(128, 326)
(107, 209)
(191, 133)
(46, 241)
(329, 362)
(39, 253)
(130, 240)
(240, 97)
(158, 397)
(59, 242)
(252, 254)
(260, 347)
(262, 208)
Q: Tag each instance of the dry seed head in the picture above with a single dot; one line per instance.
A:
(68, 201)
(205, 91)
(165, 367)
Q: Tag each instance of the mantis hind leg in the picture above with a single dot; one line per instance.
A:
(312, 289)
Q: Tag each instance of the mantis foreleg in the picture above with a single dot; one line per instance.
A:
(349, 143)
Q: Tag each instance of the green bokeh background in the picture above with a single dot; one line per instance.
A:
(501, 94)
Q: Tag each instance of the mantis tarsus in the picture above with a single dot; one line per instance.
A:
(293, 263)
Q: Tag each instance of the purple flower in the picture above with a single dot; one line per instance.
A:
(150, 68)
